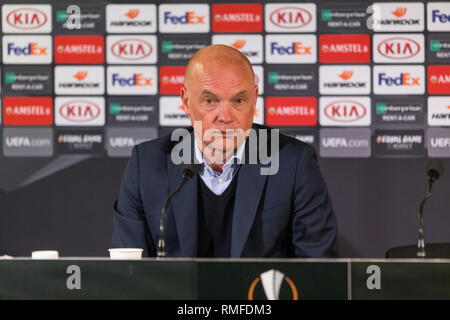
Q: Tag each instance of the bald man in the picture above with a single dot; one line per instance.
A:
(231, 208)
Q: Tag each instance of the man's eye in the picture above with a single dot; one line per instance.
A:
(240, 100)
(209, 101)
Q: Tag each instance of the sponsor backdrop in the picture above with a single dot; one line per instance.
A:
(83, 81)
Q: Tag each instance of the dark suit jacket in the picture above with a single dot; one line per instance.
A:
(288, 214)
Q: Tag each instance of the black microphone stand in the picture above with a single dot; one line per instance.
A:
(161, 251)
(433, 176)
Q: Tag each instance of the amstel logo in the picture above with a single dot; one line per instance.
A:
(272, 281)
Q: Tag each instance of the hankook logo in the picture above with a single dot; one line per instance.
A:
(344, 80)
(392, 16)
(135, 18)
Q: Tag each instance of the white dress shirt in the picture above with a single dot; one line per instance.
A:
(218, 182)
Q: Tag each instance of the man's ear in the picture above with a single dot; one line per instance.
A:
(184, 99)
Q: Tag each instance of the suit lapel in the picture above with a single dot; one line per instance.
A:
(250, 187)
(185, 207)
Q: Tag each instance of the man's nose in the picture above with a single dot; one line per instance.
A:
(225, 113)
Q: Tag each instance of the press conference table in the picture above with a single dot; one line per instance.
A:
(185, 279)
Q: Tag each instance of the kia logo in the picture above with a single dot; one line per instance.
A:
(131, 49)
(26, 18)
(290, 17)
(79, 111)
(345, 111)
(398, 48)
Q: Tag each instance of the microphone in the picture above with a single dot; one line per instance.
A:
(435, 169)
(188, 171)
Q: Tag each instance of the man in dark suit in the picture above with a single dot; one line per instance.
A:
(233, 208)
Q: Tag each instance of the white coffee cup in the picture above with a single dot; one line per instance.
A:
(125, 253)
(45, 254)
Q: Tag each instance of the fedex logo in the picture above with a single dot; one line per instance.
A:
(294, 48)
(291, 49)
(404, 79)
(32, 49)
(174, 18)
(20, 50)
(189, 17)
(127, 80)
(438, 14)
(399, 79)
(137, 79)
